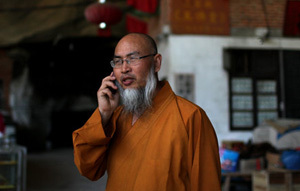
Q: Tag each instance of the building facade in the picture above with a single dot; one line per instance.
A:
(239, 60)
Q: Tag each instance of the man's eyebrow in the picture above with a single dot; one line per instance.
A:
(129, 54)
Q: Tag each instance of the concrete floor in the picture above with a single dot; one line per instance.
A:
(55, 171)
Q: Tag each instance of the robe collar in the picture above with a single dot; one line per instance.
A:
(164, 93)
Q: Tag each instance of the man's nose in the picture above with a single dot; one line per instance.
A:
(125, 66)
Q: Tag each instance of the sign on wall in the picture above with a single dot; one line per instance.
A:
(185, 86)
(209, 17)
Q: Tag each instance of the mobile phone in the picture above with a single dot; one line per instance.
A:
(113, 91)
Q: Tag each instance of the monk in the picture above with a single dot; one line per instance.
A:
(142, 134)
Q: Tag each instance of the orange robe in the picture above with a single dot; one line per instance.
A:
(172, 146)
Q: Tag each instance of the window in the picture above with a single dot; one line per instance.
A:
(254, 87)
(264, 84)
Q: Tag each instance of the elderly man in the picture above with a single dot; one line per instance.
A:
(142, 134)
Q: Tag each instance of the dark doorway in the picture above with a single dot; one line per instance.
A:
(63, 74)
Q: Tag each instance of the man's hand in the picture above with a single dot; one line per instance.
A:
(107, 100)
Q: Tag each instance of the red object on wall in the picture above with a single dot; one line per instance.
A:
(292, 19)
(104, 32)
(135, 25)
(108, 13)
(148, 6)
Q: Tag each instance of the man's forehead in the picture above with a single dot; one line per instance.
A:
(126, 47)
(127, 54)
(133, 41)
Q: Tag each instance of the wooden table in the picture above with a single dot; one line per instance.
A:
(273, 180)
(265, 180)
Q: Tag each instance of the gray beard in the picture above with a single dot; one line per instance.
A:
(136, 101)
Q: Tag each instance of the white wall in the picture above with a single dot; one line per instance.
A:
(203, 57)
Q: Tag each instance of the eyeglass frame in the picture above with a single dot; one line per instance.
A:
(128, 61)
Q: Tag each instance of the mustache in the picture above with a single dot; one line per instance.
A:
(124, 76)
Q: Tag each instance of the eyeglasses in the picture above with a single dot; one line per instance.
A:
(131, 60)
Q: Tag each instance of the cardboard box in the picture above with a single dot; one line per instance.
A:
(273, 161)
(249, 165)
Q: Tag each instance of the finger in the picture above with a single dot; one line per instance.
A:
(111, 84)
(112, 95)
(106, 93)
(109, 91)
(108, 78)
(108, 81)
(111, 77)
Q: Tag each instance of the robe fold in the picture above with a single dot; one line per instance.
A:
(171, 147)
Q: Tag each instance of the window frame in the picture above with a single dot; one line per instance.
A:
(250, 74)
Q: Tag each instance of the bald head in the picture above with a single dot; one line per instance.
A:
(142, 41)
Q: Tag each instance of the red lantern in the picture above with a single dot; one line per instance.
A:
(133, 24)
(104, 32)
(108, 13)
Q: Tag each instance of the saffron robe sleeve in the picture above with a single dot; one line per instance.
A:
(90, 147)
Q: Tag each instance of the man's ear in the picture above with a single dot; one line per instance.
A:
(157, 62)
